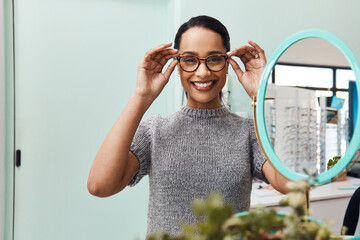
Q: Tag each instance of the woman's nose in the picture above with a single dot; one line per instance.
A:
(202, 69)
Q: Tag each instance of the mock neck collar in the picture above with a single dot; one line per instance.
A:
(204, 113)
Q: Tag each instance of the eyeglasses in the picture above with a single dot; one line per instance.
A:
(214, 63)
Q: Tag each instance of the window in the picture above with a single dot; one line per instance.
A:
(304, 76)
(326, 80)
(343, 76)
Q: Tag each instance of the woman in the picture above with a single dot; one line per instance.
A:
(198, 149)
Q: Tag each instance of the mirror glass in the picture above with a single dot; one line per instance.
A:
(308, 105)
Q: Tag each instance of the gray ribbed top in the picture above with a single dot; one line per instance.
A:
(189, 154)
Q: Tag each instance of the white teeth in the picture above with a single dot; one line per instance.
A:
(207, 84)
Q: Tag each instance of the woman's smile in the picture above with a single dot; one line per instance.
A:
(204, 85)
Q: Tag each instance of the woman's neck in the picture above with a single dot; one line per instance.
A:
(208, 105)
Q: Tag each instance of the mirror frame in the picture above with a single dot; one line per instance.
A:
(260, 120)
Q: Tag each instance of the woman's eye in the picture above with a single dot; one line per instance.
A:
(189, 60)
(214, 59)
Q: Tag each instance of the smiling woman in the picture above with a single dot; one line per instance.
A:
(183, 153)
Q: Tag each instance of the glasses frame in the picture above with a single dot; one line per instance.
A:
(203, 59)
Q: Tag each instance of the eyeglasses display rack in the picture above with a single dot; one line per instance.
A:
(293, 127)
(304, 131)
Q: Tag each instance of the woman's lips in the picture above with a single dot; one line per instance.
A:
(204, 85)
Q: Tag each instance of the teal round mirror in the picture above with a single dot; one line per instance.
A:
(301, 117)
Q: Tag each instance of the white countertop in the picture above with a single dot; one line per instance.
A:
(343, 189)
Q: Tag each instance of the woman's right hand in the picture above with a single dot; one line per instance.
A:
(150, 79)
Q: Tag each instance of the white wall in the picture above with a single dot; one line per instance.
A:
(73, 46)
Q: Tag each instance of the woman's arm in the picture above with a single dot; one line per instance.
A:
(277, 180)
(114, 164)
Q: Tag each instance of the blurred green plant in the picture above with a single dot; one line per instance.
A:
(216, 220)
(210, 214)
(333, 161)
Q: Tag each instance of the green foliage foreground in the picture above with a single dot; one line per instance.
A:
(216, 221)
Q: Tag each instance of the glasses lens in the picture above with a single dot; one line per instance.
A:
(216, 62)
(189, 63)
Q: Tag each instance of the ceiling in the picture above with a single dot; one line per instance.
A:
(314, 51)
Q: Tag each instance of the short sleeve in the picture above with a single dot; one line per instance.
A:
(141, 148)
(257, 157)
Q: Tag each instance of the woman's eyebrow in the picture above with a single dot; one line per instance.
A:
(215, 52)
(190, 53)
(196, 54)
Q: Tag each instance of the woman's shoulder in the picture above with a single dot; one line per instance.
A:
(239, 118)
(161, 119)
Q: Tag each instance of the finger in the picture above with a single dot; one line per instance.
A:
(260, 51)
(158, 66)
(245, 53)
(158, 62)
(244, 60)
(166, 58)
(158, 56)
(160, 47)
(170, 69)
(241, 51)
(236, 68)
(255, 54)
(248, 56)
(154, 50)
(163, 53)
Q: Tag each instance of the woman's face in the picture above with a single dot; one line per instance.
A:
(203, 85)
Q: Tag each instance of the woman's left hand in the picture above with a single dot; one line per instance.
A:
(254, 60)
